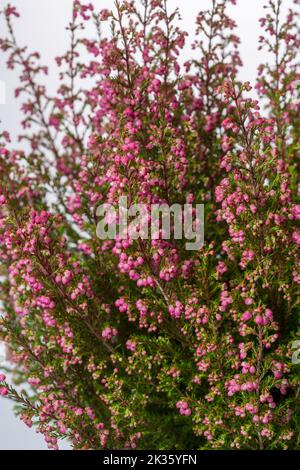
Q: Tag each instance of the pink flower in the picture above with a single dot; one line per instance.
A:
(221, 268)
(104, 15)
(11, 11)
(54, 121)
(259, 320)
(131, 345)
(183, 408)
(246, 316)
(3, 391)
(108, 333)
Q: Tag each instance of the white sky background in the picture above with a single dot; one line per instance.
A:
(42, 28)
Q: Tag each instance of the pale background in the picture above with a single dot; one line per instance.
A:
(42, 28)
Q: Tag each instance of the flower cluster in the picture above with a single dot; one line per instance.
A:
(139, 343)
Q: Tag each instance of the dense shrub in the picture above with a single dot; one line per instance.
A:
(141, 343)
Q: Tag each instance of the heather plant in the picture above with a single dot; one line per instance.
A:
(140, 343)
